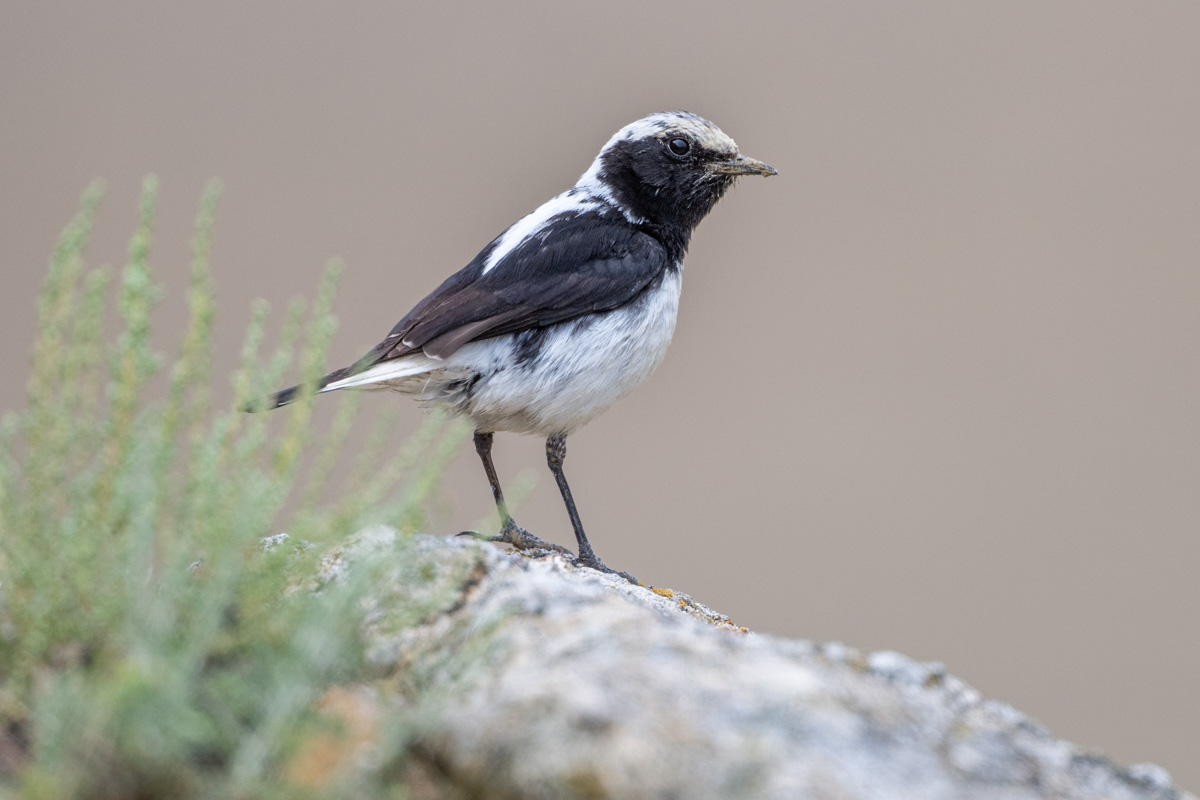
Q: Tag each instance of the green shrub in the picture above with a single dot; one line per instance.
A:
(150, 644)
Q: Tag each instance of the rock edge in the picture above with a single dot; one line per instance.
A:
(536, 679)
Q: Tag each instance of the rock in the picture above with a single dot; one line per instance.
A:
(533, 678)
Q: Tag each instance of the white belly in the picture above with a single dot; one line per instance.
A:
(581, 369)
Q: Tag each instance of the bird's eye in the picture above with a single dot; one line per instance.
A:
(679, 147)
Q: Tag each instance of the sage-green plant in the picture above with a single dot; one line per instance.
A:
(150, 644)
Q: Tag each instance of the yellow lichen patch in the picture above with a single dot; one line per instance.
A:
(663, 592)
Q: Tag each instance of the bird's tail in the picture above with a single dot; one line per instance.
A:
(292, 393)
(385, 372)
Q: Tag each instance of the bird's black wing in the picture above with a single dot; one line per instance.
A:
(576, 265)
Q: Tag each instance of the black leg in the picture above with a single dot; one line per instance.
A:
(483, 446)
(556, 453)
(510, 532)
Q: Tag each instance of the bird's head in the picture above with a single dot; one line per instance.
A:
(668, 169)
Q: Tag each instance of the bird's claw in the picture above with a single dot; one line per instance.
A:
(518, 537)
(600, 566)
(521, 539)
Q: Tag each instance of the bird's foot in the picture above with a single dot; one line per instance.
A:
(521, 539)
(594, 563)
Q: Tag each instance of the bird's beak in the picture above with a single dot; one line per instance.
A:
(744, 165)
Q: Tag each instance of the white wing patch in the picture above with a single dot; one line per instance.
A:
(532, 224)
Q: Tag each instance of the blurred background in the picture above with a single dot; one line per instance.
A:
(935, 388)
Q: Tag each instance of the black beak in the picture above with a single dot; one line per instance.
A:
(744, 165)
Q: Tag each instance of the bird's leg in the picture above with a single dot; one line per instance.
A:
(510, 532)
(556, 453)
(483, 446)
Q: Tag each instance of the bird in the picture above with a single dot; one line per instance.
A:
(567, 310)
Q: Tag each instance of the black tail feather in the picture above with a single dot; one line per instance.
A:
(272, 401)
(290, 394)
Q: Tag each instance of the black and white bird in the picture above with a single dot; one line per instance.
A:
(568, 309)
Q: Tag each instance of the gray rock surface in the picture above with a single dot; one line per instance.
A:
(532, 678)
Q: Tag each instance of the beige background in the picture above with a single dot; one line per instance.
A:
(935, 388)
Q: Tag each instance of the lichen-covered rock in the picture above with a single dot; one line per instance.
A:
(532, 678)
